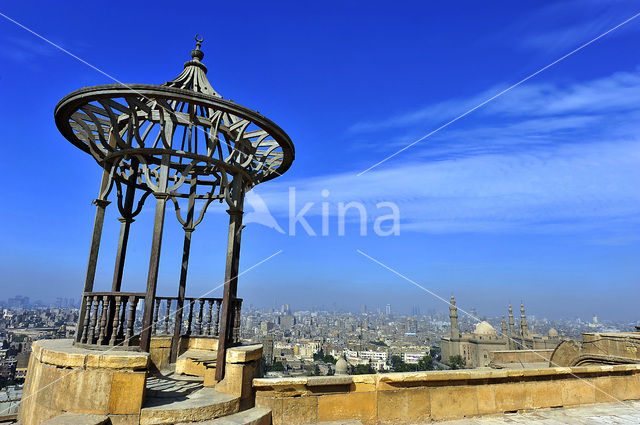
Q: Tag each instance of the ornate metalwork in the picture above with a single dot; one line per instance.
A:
(183, 142)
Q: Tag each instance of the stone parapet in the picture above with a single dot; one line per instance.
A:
(396, 398)
(63, 378)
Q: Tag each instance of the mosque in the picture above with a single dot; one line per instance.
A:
(475, 347)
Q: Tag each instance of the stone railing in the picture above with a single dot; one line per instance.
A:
(112, 319)
(422, 397)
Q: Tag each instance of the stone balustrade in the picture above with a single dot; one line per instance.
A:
(397, 398)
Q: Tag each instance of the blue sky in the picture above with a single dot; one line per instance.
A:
(532, 197)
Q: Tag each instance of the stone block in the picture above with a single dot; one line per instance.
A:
(124, 419)
(486, 399)
(78, 419)
(299, 410)
(244, 354)
(545, 394)
(453, 402)
(127, 392)
(576, 392)
(604, 391)
(513, 397)
(199, 343)
(210, 375)
(361, 406)
(404, 406)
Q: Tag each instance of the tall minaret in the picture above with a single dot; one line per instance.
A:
(504, 327)
(523, 322)
(453, 317)
(512, 330)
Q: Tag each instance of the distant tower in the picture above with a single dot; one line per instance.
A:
(388, 309)
(504, 327)
(512, 330)
(453, 318)
(523, 322)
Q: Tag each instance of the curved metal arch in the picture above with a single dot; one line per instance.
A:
(76, 101)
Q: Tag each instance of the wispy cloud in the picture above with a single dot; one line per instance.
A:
(564, 25)
(548, 158)
(24, 49)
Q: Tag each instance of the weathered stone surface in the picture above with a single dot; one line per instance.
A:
(200, 343)
(202, 405)
(405, 406)
(244, 354)
(361, 406)
(453, 402)
(451, 394)
(62, 353)
(314, 381)
(78, 419)
(576, 392)
(104, 383)
(299, 410)
(254, 416)
(512, 397)
(193, 361)
(127, 392)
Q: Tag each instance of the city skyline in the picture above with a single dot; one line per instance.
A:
(531, 197)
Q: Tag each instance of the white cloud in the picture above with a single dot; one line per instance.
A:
(546, 158)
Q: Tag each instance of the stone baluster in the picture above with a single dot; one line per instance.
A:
(166, 317)
(87, 318)
(94, 318)
(190, 318)
(102, 332)
(155, 317)
(216, 329)
(116, 321)
(123, 316)
(200, 307)
(209, 308)
(131, 319)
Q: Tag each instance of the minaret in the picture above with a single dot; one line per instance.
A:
(512, 331)
(523, 323)
(504, 327)
(453, 317)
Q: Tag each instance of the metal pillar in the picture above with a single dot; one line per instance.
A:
(230, 275)
(154, 259)
(96, 237)
(186, 248)
(126, 211)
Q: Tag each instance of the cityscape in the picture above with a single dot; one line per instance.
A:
(337, 213)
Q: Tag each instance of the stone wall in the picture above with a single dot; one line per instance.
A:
(521, 356)
(599, 348)
(397, 398)
(64, 378)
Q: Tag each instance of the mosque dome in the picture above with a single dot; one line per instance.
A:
(341, 366)
(484, 328)
(553, 333)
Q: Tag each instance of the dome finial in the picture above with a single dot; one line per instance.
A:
(196, 53)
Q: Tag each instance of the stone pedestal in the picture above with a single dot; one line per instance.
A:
(63, 378)
(241, 366)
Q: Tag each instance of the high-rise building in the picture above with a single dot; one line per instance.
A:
(267, 349)
(388, 309)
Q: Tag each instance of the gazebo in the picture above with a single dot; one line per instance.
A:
(182, 143)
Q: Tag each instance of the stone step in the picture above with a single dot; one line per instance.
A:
(203, 405)
(194, 361)
(172, 386)
(253, 416)
(78, 419)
